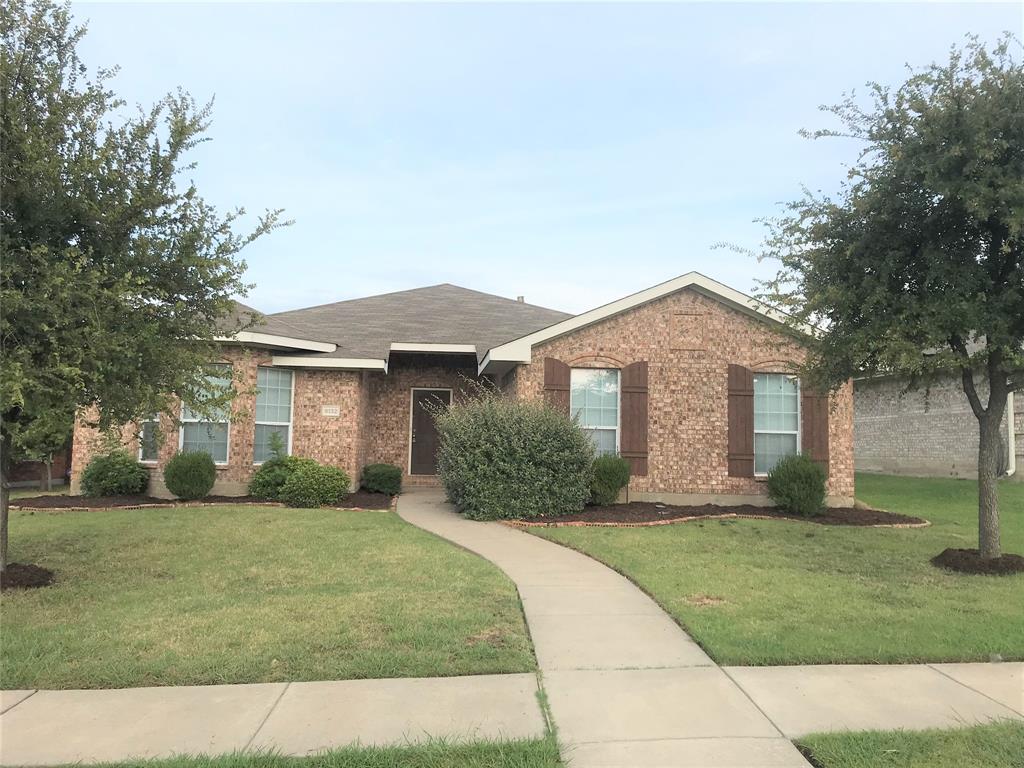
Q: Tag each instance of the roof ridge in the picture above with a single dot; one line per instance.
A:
(278, 315)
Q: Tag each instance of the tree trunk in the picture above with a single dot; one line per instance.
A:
(4, 503)
(988, 490)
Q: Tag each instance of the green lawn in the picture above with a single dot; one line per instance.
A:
(1000, 745)
(541, 753)
(250, 594)
(798, 593)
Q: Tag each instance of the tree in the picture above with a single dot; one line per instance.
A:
(115, 275)
(915, 267)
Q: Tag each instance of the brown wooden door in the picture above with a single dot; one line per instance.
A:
(423, 459)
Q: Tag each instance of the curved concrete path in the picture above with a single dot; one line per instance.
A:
(626, 686)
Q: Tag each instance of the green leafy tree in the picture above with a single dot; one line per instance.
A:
(915, 267)
(115, 275)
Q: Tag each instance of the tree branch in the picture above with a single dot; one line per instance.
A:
(967, 376)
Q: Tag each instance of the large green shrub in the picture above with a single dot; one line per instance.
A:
(269, 479)
(608, 476)
(503, 458)
(115, 473)
(797, 485)
(382, 478)
(190, 475)
(313, 485)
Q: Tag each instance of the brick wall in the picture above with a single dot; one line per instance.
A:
(339, 440)
(390, 401)
(688, 341)
(922, 432)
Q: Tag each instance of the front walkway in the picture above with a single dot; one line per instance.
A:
(627, 687)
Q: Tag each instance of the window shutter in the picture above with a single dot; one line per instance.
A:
(633, 416)
(741, 421)
(814, 426)
(556, 384)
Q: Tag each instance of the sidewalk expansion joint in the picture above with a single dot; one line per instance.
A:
(975, 690)
(266, 717)
(20, 701)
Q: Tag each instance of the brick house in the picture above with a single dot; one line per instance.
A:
(689, 380)
(929, 433)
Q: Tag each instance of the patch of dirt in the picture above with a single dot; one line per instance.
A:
(492, 637)
(702, 601)
(645, 512)
(25, 576)
(357, 500)
(970, 561)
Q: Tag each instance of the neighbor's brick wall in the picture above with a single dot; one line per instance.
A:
(922, 432)
(688, 341)
(390, 401)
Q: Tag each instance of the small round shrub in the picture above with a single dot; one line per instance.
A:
(608, 476)
(116, 473)
(503, 458)
(269, 479)
(190, 475)
(797, 485)
(314, 485)
(382, 478)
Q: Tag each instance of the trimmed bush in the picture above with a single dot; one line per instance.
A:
(503, 458)
(382, 478)
(313, 485)
(797, 485)
(608, 476)
(190, 475)
(269, 479)
(116, 473)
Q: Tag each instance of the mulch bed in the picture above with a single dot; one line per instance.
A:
(25, 576)
(970, 561)
(642, 513)
(357, 500)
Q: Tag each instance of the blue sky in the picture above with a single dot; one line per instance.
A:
(569, 153)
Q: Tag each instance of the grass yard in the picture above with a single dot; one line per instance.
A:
(541, 753)
(999, 745)
(776, 592)
(207, 595)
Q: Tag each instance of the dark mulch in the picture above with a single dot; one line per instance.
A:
(359, 499)
(647, 512)
(25, 576)
(970, 561)
(367, 500)
(100, 502)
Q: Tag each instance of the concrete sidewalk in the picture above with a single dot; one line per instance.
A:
(627, 687)
(625, 684)
(56, 727)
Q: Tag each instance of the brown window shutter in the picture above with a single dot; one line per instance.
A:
(741, 421)
(814, 426)
(633, 417)
(556, 384)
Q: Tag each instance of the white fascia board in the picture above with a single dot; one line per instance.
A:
(520, 350)
(273, 340)
(346, 363)
(411, 346)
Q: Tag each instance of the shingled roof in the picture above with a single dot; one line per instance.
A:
(437, 314)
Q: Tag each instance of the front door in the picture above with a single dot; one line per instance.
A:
(423, 455)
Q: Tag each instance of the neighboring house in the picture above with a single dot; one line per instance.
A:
(689, 380)
(929, 432)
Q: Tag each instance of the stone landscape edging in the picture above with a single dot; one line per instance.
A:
(649, 523)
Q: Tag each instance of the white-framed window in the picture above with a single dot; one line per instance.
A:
(149, 447)
(210, 433)
(776, 419)
(273, 411)
(594, 399)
